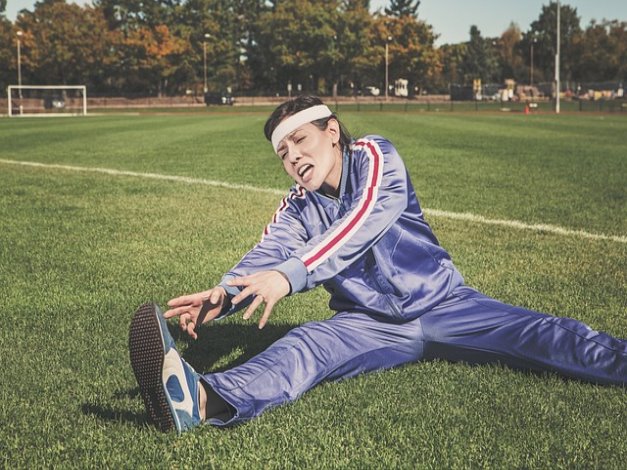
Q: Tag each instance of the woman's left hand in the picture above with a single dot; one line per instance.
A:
(266, 286)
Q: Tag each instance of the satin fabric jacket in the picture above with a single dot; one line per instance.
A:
(371, 248)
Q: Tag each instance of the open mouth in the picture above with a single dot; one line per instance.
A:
(304, 170)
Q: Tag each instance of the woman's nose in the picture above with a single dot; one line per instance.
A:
(293, 155)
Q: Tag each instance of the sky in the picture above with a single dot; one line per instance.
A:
(451, 19)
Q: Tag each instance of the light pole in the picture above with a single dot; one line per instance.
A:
(204, 55)
(387, 41)
(19, 67)
(533, 41)
(557, 63)
(333, 68)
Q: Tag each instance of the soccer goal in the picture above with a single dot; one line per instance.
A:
(47, 100)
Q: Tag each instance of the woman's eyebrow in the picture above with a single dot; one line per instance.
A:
(290, 136)
(293, 135)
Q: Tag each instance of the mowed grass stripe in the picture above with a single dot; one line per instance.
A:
(567, 171)
(468, 217)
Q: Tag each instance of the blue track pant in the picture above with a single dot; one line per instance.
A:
(468, 326)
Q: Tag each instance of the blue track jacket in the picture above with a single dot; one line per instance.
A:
(371, 248)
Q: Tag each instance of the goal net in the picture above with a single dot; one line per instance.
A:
(47, 100)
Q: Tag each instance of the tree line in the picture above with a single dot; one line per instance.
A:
(168, 47)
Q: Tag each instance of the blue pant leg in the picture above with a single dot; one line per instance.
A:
(342, 346)
(474, 328)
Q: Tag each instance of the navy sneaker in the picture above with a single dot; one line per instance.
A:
(168, 384)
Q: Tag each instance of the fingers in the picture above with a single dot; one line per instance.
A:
(242, 295)
(184, 320)
(267, 311)
(192, 299)
(174, 312)
(266, 287)
(266, 314)
(190, 330)
(242, 280)
(245, 281)
(257, 301)
(216, 295)
(197, 298)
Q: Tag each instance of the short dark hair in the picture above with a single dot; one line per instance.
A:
(289, 107)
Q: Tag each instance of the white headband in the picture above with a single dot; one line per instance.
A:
(293, 122)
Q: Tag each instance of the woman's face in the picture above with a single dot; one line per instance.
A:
(313, 157)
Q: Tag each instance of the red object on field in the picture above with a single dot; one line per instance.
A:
(527, 109)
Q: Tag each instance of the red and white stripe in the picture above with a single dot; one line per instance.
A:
(298, 192)
(353, 221)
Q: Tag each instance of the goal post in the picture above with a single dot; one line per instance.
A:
(47, 100)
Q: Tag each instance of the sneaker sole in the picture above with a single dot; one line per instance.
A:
(145, 346)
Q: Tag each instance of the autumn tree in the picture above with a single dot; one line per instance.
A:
(511, 62)
(64, 44)
(348, 5)
(8, 54)
(151, 47)
(412, 54)
(148, 59)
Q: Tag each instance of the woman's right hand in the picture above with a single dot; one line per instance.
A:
(187, 308)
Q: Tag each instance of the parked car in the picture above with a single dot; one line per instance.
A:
(219, 98)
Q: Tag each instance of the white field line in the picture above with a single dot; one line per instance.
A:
(468, 217)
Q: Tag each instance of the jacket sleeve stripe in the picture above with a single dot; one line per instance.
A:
(355, 220)
(294, 193)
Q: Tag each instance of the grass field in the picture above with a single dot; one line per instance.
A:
(79, 251)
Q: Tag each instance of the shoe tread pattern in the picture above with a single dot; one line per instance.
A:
(146, 354)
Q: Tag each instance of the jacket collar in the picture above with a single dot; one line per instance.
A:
(343, 180)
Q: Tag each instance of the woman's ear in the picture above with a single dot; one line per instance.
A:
(333, 128)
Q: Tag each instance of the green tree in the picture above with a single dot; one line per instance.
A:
(481, 59)
(132, 14)
(451, 56)
(227, 30)
(298, 43)
(544, 31)
(354, 65)
(401, 8)
(603, 54)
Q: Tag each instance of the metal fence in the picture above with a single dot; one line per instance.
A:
(372, 104)
(526, 107)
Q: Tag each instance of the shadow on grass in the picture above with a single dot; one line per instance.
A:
(109, 413)
(216, 341)
(219, 340)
